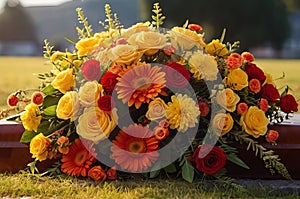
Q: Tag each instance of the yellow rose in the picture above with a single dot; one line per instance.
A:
(254, 122)
(185, 39)
(31, 118)
(139, 27)
(228, 99)
(203, 66)
(95, 124)
(124, 54)
(156, 109)
(149, 41)
(87, 45)
(237, 79)
(64, 81)
(68, 106)
(222, 123)
(216, 48)
(89, 93)
(39, 147)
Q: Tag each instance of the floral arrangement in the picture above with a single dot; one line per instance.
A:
(150, 100)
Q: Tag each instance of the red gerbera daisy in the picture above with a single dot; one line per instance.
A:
(77, 162)
(135, 148)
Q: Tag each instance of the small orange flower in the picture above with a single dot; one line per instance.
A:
(12, 100)
(112, 173)
(254, 85)
(246, 56)
(234, 61)
(242, 108)
(37, 98)
(195, 27)
(161, 133)
(97, 173)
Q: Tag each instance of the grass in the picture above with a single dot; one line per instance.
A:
(35, 186)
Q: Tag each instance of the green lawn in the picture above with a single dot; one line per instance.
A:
(25, 185)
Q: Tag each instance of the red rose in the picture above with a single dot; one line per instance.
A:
(112, 173)
(109, 81)
(254, 72)
(211, 160)
(177, 76)
(91, 70)
(288, 103)
(204, 108)
(272, 136)
(195, 27)
(269, 92)
(12, 100)
(106, 103)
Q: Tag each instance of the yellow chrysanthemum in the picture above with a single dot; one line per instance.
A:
(182, 113)
(31, 118)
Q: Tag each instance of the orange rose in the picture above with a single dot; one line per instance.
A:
(254, 85)
(234, 61)
(97, 173)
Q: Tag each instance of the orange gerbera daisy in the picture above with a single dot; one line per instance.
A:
(77, 162)
(141, 84)
(135, 148)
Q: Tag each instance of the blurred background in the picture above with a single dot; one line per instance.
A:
(268, 28)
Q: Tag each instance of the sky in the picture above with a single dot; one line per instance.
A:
(36, 2)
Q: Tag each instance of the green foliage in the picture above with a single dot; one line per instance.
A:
(157, 17)
(272, 161)
(27, 136)
(87, 30)
(187, 169)
(50, 111)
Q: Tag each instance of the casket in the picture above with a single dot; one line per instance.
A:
(15, 156)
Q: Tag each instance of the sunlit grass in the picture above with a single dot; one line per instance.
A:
(35, 186)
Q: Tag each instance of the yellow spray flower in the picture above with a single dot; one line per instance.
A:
(31, 118)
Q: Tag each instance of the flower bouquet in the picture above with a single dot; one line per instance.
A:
(149, 100)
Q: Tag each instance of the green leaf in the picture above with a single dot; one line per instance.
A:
(188, 171)
(154, 174)
(170, 168)
(236, 160)
(50, 100)
(50, 111)
(27, 136)
(48, 90)
(44, 126)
